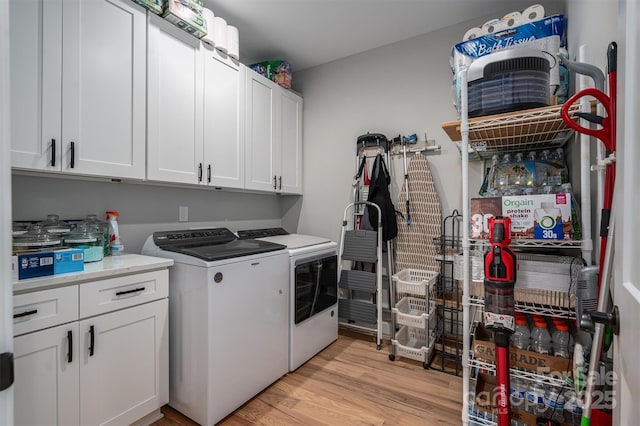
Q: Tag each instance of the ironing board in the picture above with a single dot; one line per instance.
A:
(415, 246)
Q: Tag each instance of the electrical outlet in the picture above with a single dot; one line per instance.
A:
(183, 214)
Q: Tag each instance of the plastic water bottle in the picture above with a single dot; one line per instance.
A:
(535, 399)
(518, 393)
(540, 337)
(560, 340)
(572, 408)
(554, 405)
(521, 337)
(558, 154)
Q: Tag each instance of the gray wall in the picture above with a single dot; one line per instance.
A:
(402, 88)
(144, 208)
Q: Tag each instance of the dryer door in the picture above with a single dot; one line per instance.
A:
(316, 286)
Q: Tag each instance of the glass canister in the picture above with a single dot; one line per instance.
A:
(103, 226)
(53, 225)
(88, 237)
(36, 238)
(18, 228)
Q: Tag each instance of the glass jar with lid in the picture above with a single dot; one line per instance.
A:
(18, 228)
(88, 237)
(53, 225)
(36, 238)
(103, 226)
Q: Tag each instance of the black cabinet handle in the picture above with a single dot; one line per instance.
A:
(69, 346)
(91, 340)
(274, 182)
(209, 173)
(53, 152)
(135, 290)
(200, 172)
(280, 182)
(25, 313)
(73, 155)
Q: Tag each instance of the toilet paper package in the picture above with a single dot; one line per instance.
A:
(209, 17)
(546, 35)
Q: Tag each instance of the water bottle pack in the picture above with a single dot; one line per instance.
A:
(550, 335)
(538, 173)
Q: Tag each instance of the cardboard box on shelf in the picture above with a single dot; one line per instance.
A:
(156, 6)
(68, 260)
(41, 263)
(185, 17)
(34, 263)
(484, 349)
(538, 216)
(485, 399)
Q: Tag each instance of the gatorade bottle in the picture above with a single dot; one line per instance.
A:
(560, 339)
(521, 337)
(542, 339)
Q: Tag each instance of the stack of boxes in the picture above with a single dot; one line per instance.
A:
(185, 14)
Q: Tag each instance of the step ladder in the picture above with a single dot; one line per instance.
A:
(360, 275)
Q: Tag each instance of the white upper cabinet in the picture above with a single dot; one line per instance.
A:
(84, 84)
(291, 116)
(36, 83)
(262, 133)
(273, 138)
(224, 116)
(174, 108)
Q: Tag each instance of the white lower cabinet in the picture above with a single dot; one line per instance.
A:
(47, 375)
(123, 355)
(109, 366)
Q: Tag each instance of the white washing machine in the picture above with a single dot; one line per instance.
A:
(228, 319)
(313, 291)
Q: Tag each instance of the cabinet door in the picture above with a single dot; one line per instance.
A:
(291, 125)
(174, 111)
(126, 376)
(46, 378)
(36, 83)
(262, 133)
(224, 111)
(104, 88)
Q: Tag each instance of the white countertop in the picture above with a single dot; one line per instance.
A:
(109, 267)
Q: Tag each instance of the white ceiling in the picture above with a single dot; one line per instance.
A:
(307, 33)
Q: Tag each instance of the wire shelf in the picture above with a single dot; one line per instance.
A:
(520, 130)
(532, 308)
(490, 368)
(478, 418)
(552, 244)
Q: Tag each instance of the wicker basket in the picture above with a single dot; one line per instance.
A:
(414, 281)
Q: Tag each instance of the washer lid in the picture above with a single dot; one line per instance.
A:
(296, 241)
(210, 244)
(237, 248)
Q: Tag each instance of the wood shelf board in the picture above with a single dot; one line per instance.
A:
(514, 129)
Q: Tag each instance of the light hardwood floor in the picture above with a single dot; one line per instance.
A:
(350, 383)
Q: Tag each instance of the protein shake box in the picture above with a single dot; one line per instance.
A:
(539, 216)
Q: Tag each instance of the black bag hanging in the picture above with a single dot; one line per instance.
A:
(379, 194)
